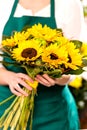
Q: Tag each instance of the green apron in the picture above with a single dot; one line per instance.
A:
(55, 108)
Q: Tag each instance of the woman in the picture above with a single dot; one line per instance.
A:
(55, 107)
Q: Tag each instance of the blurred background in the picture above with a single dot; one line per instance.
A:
(79, 86)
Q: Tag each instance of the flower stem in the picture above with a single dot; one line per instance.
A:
(4, 116)
(32, 109)
(6, 100)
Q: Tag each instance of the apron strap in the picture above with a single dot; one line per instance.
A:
(14, 8)
(52, 8)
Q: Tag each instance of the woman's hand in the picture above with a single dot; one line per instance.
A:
(45, 80)
(15, 81)
(63, 80)
(48, 81)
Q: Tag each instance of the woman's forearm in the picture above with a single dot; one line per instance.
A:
(3, 76)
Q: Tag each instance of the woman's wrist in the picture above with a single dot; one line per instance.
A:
(3, 74)
(72, 77)
(65, 79)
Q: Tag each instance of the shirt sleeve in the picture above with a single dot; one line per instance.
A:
(69, 17)
(5, 9)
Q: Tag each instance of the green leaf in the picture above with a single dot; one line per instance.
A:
(3, 55)
(84, 62)
(9, 63)
(60, 30)
(32, 72)
(76, 72)
(54, 73)
(77, 43)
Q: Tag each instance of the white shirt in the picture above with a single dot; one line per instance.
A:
(68, 14)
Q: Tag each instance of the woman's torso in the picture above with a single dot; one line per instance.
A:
(51, 104)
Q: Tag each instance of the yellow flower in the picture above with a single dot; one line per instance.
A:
(44, 32)
(84, 49)
(62, 41)
(27, 51)
(76, 83)
(55, 55)
(20, 36)
(75, 58)
(15, 39)
(9, 42)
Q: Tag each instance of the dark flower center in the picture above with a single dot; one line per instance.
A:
(53, 56)
(29, 53)
(70, 60)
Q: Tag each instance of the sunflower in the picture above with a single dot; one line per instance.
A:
(84, 49)
(20, 36)
(55, 55)
(9, 42)
(74, 56)
(62, 41)
(44, 32)
(15, 39)
(76, 83)
(27, 51)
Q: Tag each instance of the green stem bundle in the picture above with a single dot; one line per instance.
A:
(16, 116)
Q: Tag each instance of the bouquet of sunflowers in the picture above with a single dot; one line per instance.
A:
(38, 49)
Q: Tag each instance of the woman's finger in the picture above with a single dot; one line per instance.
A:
(20, 90)
(44, 80)
(49, 79)
(24, 76)
(15, 91)
(23, 83)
